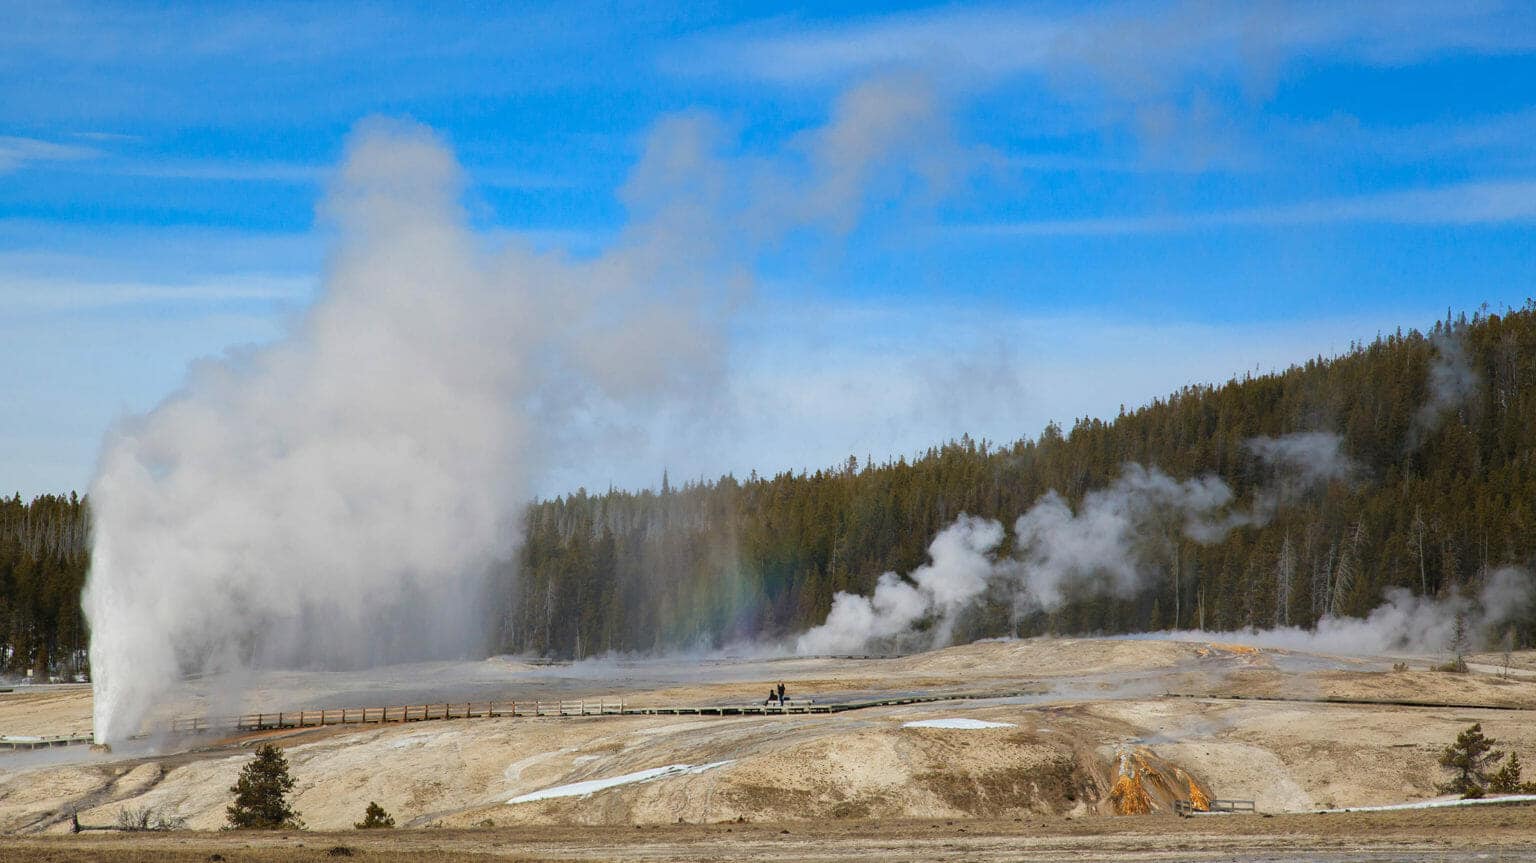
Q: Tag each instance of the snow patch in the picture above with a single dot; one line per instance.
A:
(965, 724)
(591, 786)
(1439, 804)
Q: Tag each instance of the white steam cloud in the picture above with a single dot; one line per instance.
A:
(1300, 462)
(1404, 622)
(1102, 547)
(338, 498)
(1452, 381)
(960, 565)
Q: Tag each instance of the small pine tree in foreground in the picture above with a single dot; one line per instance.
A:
(1470, 756)
(375, 818)
(261, 794)
(1507, 780)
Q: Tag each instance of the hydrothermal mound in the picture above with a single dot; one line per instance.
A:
(1236, 722)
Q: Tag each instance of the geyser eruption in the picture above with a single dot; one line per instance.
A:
(326, 500)
(337, 498)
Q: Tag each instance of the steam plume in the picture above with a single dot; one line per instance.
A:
(1451, 382)
(960, 565)
(337, 498)
(1300, 462)
(1404, 622)
(1102, 547)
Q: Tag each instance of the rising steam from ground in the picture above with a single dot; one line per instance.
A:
(1451, 383)
(1102, 548)
(960, 566)
(1405, 622)
(1103, 545)
(337, 498)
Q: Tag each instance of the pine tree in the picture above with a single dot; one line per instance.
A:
(261, 794)
(375, 818)
(1508, 645)
(1470, 756)
(1507, 780)
(1460, 637)
(1285, 575)
(1346, 573)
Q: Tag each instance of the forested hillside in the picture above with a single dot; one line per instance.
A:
(1440, 425)
(44, 552)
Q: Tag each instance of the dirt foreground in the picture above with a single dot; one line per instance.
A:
(1493, 833)
(1029, 765)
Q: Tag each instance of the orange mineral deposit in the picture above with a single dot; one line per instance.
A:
(1197, 799)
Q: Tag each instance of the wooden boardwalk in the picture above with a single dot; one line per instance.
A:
(1216, 807)
(295, 719)
(532, 709)
(1366, 702)
(403, 713)
(21, 744)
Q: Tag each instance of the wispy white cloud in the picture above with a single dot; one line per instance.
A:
(1132, 46)
(1477, 203)
(46, 249)
(814, 383)
(109, 64)
(21, 295)
(215, 170)
(1183, 78)
(102, 162)
(16, 153)
(93, 135)
(1492, 141)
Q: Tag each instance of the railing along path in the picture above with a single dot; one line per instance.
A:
(403, 713)
(493, 709)
(24, 743)
(1216, 807)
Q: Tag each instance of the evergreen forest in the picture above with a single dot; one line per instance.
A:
(44, 554)
(1439, 423)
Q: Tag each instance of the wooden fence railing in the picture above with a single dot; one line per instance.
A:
(1184, 807)
(599, 707)
(402, 713)
(17, 744)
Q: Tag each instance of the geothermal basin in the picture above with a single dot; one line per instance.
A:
(1030, 729)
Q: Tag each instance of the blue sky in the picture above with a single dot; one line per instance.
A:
(1132, 196)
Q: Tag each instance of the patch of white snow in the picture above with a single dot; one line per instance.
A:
(965, 724)
(591, 786)
(1440, 804)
